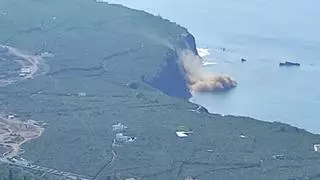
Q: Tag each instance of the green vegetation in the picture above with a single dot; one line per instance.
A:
(14, 173)
(103, 50)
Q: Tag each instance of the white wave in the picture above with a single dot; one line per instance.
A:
(203, 52)
(206, 63)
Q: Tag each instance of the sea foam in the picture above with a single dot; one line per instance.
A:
(203, 52)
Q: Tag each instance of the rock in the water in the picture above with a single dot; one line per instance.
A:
(288, 63)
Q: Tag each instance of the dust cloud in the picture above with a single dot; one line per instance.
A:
(200, 80)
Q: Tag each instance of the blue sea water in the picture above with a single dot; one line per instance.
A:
(265, 32)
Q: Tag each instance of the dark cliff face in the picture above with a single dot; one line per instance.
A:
(104, 54)
(170, 79)
(187, 41)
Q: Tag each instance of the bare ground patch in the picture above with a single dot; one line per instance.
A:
(31, 65)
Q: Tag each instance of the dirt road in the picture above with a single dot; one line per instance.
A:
(31, 63)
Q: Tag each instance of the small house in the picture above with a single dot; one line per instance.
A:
(119, 127)
(316, 147)
(82, 94)
(11, 116)
(25, 70)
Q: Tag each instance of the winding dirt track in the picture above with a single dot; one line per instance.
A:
(26, 60)
(14, 133)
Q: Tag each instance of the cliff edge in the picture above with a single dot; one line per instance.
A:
(108, 65)
(171, 78)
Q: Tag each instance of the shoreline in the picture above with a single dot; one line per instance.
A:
(204, 51)
(79, 136)
(207, 107)
(294, 119)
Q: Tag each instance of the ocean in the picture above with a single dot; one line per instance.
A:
(264, 33)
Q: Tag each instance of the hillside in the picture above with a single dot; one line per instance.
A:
(112, 64)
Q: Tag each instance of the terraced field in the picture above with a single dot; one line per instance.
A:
(104, 57)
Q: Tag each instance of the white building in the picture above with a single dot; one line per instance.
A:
(22, 74)
(120, 138)
(119, 127)
(46, 54)
(11, 116)
(183, 134)
(82, 94)
(25, 70)
(316, 147)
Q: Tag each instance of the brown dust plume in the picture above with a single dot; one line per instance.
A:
(200, 80)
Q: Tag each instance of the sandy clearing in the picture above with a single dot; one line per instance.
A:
(17, 132)
(26, 60)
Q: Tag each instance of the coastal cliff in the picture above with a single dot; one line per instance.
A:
(183, 72)
(112, 65)
(171, 77)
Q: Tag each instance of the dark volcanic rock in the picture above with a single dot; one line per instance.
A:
(170, 78)
(99, 48)
(188, 41)
(203, 109)
(287, 63)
